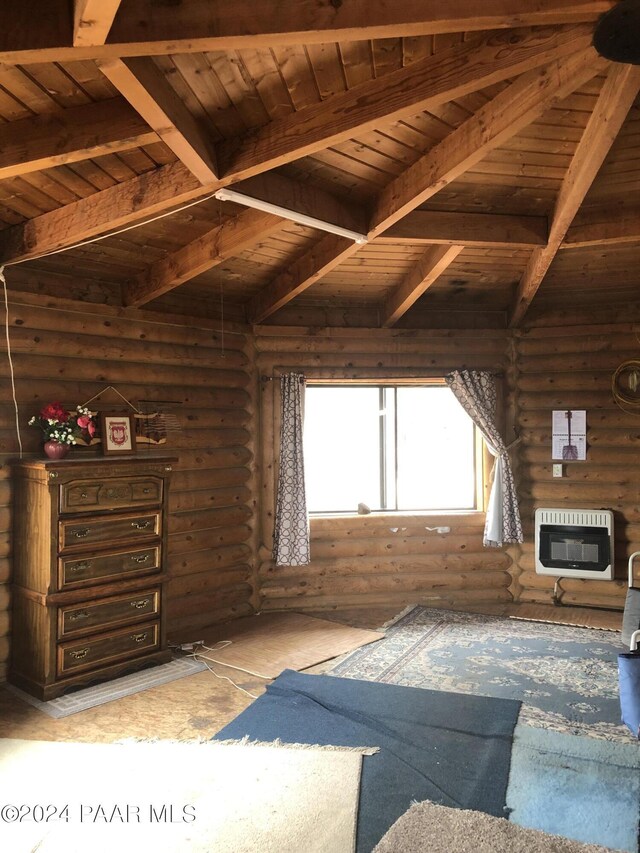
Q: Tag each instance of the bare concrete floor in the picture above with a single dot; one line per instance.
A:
(196, 707)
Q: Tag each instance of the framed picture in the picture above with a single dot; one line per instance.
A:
(118, 433)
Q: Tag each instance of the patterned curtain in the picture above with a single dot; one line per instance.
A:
(476, 393)
(291, 530)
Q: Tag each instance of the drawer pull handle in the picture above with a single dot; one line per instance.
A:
(80, 534)
(80, 567)
(80, 654)
(139, 638)
(78, 614)
(84, 495)
(141, 559)
(140, 605)
(146, 491)
(141, 525)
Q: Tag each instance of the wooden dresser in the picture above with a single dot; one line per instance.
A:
(89, 570)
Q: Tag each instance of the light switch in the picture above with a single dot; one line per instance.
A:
(557, 470)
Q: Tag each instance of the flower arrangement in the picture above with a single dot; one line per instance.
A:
(58, 424)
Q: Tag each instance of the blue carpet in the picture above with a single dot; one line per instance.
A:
(446, 747)
(583, 788)
(566, 677)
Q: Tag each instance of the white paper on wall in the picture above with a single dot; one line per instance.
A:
(569, 435)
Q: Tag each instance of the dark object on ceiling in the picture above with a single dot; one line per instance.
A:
(617, 33)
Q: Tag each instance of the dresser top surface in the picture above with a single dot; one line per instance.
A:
(111, 461)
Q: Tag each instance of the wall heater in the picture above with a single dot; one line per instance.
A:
(574, 543)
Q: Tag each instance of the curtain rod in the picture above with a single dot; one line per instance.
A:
(381, 380)
(266, 378)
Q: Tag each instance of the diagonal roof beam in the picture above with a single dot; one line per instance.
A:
(515, 107)
(148, 91)
(616, 98)
(214, 247)
(463, 68)
(427, 270)
(124, 204)
(313, 265)
(43, 30)
(498, 120)
(92, 20)
(485, 59)
(71, 135)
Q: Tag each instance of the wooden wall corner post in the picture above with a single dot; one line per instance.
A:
(255, 480)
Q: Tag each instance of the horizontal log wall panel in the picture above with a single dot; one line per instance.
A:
(206, 498)
(198, 562)
(29, 392)
(208, 539)
(69, 351)
(182, 626)
(96, 370)
(570, 367)
(416, 563)
(73, 345)
(398, 599)
(366, 560)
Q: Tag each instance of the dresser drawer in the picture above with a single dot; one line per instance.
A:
(77, 619)
(80, 495)
(74, 572)
(105, 530)
(104, 649)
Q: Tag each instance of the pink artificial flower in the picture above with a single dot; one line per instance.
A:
(86, 422)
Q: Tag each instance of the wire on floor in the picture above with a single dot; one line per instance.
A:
(206, 659)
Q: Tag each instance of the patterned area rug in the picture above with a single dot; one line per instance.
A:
(566, 677)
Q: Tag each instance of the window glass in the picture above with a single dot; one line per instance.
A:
(342, 448)
(436, 447)
(392, 448)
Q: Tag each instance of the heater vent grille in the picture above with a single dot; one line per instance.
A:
(576, 517)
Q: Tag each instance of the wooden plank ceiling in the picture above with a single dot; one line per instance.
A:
(487, 155)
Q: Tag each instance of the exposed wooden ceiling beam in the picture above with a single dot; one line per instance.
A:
(609, 227)
(515, 107)
(614, 102)
(427, 270)
(497, 121)
(487, 230)
(214, 247)
(92, 20)
(43, 30)
(327, 254)
(476, 60)
(132, 201)
(464, 68)
(150, 94)
(600, 227)
(152, 193)
(71, 135)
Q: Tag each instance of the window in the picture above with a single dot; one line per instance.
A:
(394, 448)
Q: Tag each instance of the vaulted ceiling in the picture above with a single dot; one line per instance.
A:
(489, 157)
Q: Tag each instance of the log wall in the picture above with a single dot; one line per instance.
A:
(68, 351)
(372, 560)
(563, 367)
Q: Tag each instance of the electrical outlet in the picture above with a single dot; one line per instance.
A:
(557, 470)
